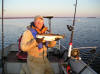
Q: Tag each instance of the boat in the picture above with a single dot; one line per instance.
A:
(63, 60)
(56, 57)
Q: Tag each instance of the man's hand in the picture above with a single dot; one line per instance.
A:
(39, 40)
(56, 39)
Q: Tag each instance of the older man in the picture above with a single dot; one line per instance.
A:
(37, 62)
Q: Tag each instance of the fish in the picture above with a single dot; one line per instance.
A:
(50, 37)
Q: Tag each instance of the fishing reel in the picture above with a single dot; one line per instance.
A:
(70, 28)
(75, 53)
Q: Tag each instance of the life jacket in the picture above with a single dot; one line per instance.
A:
(43, 30)
(40, 45)
(36, 31)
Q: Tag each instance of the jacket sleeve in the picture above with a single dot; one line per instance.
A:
(28, 42)
(51, 43)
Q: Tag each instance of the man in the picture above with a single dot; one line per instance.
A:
(37, 62)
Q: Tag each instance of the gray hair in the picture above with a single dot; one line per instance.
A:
(36, 17)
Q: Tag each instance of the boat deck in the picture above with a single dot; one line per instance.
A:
(12, 57)
(13, 65)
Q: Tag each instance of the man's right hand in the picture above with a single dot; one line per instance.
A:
(39, 40)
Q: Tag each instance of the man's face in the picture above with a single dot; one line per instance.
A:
(39, 23)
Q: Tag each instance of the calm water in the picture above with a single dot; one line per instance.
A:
(87, 31)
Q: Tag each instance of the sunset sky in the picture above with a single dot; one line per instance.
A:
(57, 8)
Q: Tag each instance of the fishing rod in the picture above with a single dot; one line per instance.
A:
(71, 28)
(2, 38)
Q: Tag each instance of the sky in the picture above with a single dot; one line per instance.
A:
(56, 8)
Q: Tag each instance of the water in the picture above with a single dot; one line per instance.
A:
(87, 32)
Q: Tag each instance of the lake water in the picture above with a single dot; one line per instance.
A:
(87, 31)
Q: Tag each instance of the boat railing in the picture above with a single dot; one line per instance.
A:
(59, 46)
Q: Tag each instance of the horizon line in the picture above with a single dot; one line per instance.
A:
(43, 16)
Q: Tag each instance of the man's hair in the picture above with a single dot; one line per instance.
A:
(36, 17)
